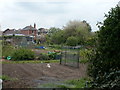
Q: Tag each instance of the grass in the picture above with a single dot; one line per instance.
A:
(30, 61)
(76, 83)
(55, 85)
(79, 83)
(5, 77)
(84, 61)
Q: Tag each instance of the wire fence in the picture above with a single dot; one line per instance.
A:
(70, 58)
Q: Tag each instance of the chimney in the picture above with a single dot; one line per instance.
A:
(34, 25)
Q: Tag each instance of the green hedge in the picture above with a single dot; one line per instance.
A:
(43, 56)
(7, 50)
(49, 56)
(23, 54)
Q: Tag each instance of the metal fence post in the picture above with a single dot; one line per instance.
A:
(78, 58)
(61, 58)
(65, 57)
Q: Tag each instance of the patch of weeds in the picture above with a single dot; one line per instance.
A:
(79, 83)
(5, 77)
(65, 86)
(62, 86)
(76, 83)
(33, 61)
(84, 61)
(48, 85)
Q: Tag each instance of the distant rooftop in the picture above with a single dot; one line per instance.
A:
(29, 28)
(9, 32)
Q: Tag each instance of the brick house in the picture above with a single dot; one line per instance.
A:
(30, 31)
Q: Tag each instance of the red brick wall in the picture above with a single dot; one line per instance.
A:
(25, 32)
(29, 32)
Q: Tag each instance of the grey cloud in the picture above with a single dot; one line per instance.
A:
(48, 14)
(43, 7)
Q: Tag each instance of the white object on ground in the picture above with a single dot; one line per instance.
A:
(48, 65)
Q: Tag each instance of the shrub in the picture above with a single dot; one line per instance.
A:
(72, 41)
(105, 61)
(52, 55)
(23, 54)
(43, 56)
(7, 50)
(84, 55)
(49, 56)
(55, 46)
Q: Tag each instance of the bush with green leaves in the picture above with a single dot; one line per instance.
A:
(52, 55)
(55, 46)
(105, 59)
(72, 41)
(49, 56)
(84, 55)
(7, 50)
(43, 56)
(78, 29)
(23, 54)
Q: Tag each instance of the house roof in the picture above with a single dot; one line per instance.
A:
(29, 28)
(10, 32)
(43, 30)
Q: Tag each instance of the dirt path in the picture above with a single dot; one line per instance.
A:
(31, 75)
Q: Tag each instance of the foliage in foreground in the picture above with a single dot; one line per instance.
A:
(80, 83)
(105, 62)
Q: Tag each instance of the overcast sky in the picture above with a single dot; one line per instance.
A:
(52, 13)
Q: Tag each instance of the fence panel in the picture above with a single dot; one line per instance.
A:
(70, 58)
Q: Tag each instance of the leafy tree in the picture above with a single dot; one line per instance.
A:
(53, 30)
(56, 36)
(105, 62)
(92, 40)
(72, 41)
(79, 29)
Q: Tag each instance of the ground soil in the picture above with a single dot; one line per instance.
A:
(32, 75)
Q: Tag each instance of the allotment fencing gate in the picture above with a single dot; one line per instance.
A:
(70, 58)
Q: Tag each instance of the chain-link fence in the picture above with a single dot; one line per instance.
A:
(70, 58)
